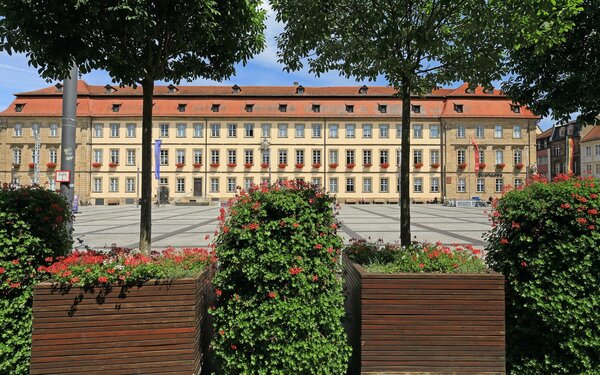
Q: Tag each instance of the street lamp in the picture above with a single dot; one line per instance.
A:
(265, 145)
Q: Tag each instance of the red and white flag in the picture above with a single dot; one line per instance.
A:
(476, 154)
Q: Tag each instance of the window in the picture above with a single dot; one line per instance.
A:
(283, 157)
(214, 156)
(248, 182)
(316, 181)
(130, 157)
(231, 130)
(498, 131)
(515, 108)
(35, 157)
(316, 156)
(415, 108)
(435, 184)
(350, 185)
(19, 107)
(18, 130)
(98, 156)
(299, 156)
(349, 157)
(164, 130)
(588, 151)
(349, 108)
(480, 185)
(517, 131)
(398, 131)
(53, 130)
(114, 156)
(51, 183)
(597, 149)
(249, 130)
(164, 181)
(384, 157)
(460, 131)
(180, 185)
(248, 156)
(460, 156)
(398, 156)
(180, 155)
(299, 130)
(282, 130)
(418, 184)
(130, 130)
(461, 185)
(198, 156)
(417, 156)
(249, 107)
(113, 184)
(214, 185)
(333, 156)
(384, 130)
(479, 131)
(367, 157)
(499, 185)
(283, 108)
(130, 185)
(53, 155)
(116, 107)
(333, 130)
(417, 131)
(114, 130)
(333, 185)
(519, 181)
(265, 130)
(198, 130)
(597, 170)
(231, 184)
(434, 156)
(382, 108)
(16, 156)
(458, 108)
(181, 107)
(215, 130)
(434, 131)
(231, 157)
(97, 187)
(35, 129)
(316, 130)
(499, 156)
(164, 157)
(367, 185)
(215, 107)
(384, 185)
(350, 130)
(16, 181)
(517, 157)
(316, 108)
(98, 131)
(181, 130)
(481, 156)
(367, 131)
(266, 157)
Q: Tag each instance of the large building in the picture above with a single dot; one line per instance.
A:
(590, 150)
(215, 139)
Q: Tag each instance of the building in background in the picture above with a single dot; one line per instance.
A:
(590, 151)
(215, 139)
(565, 152)
(543, 153)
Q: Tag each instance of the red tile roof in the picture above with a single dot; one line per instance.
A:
(545, 134)
(593, 135)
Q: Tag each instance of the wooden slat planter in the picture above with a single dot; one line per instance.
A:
(159, 327)
(425, 323)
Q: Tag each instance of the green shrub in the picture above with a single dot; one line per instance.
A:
(32, 226)
(279, 305)
(418, 257)
(545, 240)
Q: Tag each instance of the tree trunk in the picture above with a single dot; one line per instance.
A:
(146, 193)
(405, 237)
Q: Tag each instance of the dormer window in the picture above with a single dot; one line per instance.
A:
(249, 107)
(382, 108)
(488, 90)
(116, 107)
(316, 108)
(181, 107)
(458, 108)
(108, 89)
(59, 87)
(416, 108)
(19, 107)
(235, 89)
(515, 108)
(300, 90)
(172, 89)
(215, 107)
(363, 90)
(283, 108)
(350, 108)
(470, 90)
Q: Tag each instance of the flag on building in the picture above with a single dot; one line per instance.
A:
(157, 144)
(476, 154)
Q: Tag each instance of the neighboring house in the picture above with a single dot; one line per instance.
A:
(590, 151)
(543, 153)
(564, 145)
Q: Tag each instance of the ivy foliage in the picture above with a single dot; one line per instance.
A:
(545, 240)
(279, 306)
(32, 230)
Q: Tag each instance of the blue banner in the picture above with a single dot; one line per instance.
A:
(157, 144)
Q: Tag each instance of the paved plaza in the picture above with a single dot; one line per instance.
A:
(189, 226)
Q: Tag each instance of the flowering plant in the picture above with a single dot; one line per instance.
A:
(418, 257)
(214, 165)
(418, 165)
(500, 165)
(333, 165)
(96, 165)
(197, 165)
(299, 165)
(316, 165)
(231, 165)
(462, 166)
(282, 165)
(519, 165)
(31, 165)
(264, 165)
(278, 288)
(435, 165)
(248, 165)
(179, 165)
(51, 165)
(385, 165)
(482, 165)
(545, 240)
(350, 165)
(367, 165)
(112, 165)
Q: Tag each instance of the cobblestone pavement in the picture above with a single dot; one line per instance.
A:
(182, 226)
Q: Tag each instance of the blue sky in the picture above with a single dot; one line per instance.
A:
(17, 76)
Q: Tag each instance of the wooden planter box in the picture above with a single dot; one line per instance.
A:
(158, 327)
(425, 323)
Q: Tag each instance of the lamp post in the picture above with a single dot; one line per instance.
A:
(265, 145)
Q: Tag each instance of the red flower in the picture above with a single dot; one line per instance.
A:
(593, 211)
(515, 225)
(15, 261)
(421, 265)
(272, 295)
(315, 278)
(582, 220)
(282, 223)
(111, 271)
(2, 270)
(234, 347)
(333, 226)
(221, 332)
(295, 270)
(75, 280)
(318, 246)
(207, 237)
(218, 292)
(296, 225)
(102, 279)
(503, 241)
(565, 206)
(523, 264)
(15, 285)
(592, 227)
(593, 196)
(225, 229)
